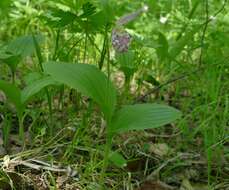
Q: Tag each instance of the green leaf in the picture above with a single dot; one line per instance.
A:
(13, 94)
(117, 159)
(35, 87)
(9, 59)
(126, 62)
(60, 18)
(142, 116)
(23, 45)
(162, 49)
(88, 10)
(88, 80)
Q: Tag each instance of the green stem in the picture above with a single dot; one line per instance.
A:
(21, 130)
(13, 76)
(108, 54)
(103, 53)
(126, 88)
(85, 49)
(56, 44)
(106, 158)
(49, 97)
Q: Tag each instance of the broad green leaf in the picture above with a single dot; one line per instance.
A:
(35, 87)
(23, 45)
(117, 159)
(126, 59)
(13, 94)
(126, 63)
(88, 80)
(9, 59)
(142, 116)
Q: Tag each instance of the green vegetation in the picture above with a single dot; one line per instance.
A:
(123, 95)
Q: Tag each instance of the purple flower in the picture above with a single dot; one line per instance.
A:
(120, 40)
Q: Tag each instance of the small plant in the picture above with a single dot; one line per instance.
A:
(20, 98)
(60, 63)
(91, 82)
(12, 55)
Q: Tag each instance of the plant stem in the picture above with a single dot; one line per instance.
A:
(108, 54)
(106, 158)
(103, 53)
(56, 44)
(13, 76)
(21, 130)
(85, 49)
(49, 97)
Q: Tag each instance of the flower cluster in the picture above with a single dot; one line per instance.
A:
(120, 40)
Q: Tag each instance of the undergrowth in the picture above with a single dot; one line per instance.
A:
(114, 94)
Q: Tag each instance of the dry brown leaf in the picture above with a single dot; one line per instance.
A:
(160, 149)
(186, 185)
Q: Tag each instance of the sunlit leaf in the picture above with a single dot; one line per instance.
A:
(88, 80)
(143, 116)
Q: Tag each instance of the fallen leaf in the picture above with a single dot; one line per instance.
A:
(186, 185)
(160, 149)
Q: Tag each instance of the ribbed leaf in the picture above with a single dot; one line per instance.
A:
(88, 80)
(143, 116)
(12, 93)
(127, 63)
(35, 87)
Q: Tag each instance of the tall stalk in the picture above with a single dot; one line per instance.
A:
(49, 97)
(21, 129)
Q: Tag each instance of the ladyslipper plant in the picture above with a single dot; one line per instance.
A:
(91, 82)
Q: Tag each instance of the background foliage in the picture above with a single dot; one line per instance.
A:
(178, 56)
